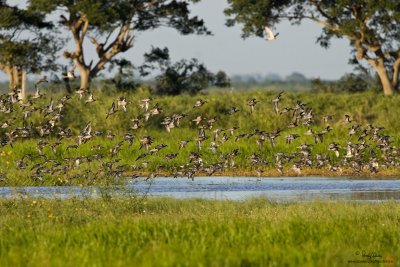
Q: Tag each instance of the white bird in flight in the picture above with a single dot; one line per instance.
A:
(270, 35)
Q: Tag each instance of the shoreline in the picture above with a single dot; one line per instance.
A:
(384, 174)
(273, 173)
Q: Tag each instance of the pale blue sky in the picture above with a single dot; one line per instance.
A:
(295, 49)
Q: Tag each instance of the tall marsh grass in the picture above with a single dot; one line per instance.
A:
(166, 232)
(364, 108)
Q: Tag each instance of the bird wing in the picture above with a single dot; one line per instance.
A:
(272, 142)
(276, 107)
(316, 139)
(270, 34)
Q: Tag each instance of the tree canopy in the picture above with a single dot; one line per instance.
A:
(26, 42)
(111, 26)
(371, 26)
(184, 76)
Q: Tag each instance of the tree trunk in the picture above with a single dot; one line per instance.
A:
(8, 71)
(11, 78)
(388, 88)
(396, 73)
(84, 72)
(85, 77)
(14, 82)
(13, 74)
(23, 85)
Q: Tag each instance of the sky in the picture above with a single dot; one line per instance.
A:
(295, 49)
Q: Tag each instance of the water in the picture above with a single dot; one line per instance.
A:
(235, 188)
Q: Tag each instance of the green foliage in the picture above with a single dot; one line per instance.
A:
(382, 17)
(365, 108)
(318, 85)
(164, 232)
(111, 25)
(12, 17)
(123, 80)
(26, 39)
(371, 26)
(182, 76)
(352, 83)
(36, 54)
(221, 79)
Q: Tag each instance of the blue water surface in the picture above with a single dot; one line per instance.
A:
(233, 188)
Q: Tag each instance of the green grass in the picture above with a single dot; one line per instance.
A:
(364, 108)
(164, 232)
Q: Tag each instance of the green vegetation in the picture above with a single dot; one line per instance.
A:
(370, 26)
(93, 168)
(165, 232)
(182, 76)
(101, 135)
(112, 26)
(27, 42)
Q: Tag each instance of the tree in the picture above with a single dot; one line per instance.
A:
(221, 79)
(371, 26)
(182, 76)
(296, 77)
(25, 43)
(123, 80)
(352, 83)
(111, 26)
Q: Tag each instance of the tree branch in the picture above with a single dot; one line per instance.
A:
(121, 43)
(149, 5)
(313, 18)
(108, 37)
(362, 54)
(324, 23)
(99, 46)
(321, 11)
(64, 20)
(372, 42)
(78, 26)
(84, 30)
(112, 44)
(75, 25)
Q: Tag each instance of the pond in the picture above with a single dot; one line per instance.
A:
(285, 189)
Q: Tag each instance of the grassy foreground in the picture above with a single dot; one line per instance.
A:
(165, 232)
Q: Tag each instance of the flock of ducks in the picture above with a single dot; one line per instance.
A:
(367, 148)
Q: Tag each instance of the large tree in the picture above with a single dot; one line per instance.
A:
(372, 26)
(26, 43)
(111, 26)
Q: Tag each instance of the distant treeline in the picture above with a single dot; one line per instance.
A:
(350, 82)
(250, 80)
